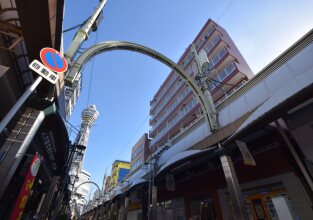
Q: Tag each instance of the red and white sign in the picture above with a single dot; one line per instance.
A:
(26, 188)
(52, 59)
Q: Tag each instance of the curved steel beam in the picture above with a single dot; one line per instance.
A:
(122, 45)
(90, 183)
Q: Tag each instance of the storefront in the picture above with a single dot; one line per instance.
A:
(171, 209)
(274, 198)
(187, 189)
(202, 208)
(135, 211)
(45, 139)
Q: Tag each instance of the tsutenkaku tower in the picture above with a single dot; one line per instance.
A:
(89, 115)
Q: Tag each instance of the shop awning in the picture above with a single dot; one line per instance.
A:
(183, 157)
(294, 93)
(53, 136)
(137, 182)
(117, 192)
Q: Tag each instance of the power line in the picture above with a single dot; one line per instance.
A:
(72, 28)
(219, 87)
(225, 10)
(91, 76)
(76, 26)
(223, 83)
(133, 136)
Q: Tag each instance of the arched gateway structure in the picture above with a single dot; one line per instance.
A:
(122, 45)
(201, 91)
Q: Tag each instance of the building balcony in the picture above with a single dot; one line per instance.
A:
(204, 37)
(226, 80)
(163, 92)
(210, 47)
(180, 98)
(167, 99)
(218, 58)
(180, 114)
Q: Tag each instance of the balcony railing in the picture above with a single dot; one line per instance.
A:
(212, 44)
(173, 121)
(217, 57)
(179, 99)
(200, 43)
(164, 91)
(167, 98)
(222, 75)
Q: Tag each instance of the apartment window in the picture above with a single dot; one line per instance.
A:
(189, 70)
(137, 163)
(137, 151)
(218, 56)
(211, 44)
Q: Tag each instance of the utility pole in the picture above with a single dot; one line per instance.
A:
(225, 158)
(80, 37)
(202, 62)
(82, 33)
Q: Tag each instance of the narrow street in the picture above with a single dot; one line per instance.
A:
(114, 110)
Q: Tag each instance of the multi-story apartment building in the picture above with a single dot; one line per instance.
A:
(140, 152)
(174, 106)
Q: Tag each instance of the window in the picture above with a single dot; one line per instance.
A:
(202, 209)
(137, 151)
(122, 174)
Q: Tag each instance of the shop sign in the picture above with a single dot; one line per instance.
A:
(134, 206)
(170, 182)
(26, 188)
(246, 155)
(50, 150)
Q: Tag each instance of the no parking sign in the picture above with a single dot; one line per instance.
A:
(52, 59)
(53, 62)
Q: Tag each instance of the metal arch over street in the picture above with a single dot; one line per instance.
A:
(122, 45)
(91, 182)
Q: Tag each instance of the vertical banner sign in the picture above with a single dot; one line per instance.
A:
(170, 182)
(246, 155)
(26, 188)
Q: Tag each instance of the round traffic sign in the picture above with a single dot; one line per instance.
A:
(52, 59)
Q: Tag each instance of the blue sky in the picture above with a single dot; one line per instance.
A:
(124, 82)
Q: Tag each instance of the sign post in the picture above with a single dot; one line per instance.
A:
(55, 62)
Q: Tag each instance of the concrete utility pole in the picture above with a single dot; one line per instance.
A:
(82, 33)
(225, 158)
(202, 62)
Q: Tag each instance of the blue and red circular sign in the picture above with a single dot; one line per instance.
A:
(52, 59)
